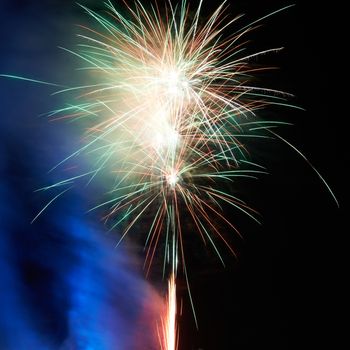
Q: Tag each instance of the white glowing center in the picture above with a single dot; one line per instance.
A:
(175, 83)
(172, 178)
(166, 139)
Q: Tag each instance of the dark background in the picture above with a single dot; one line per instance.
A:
(284, 288)
(276, 292)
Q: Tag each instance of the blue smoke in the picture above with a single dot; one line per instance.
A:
(63, 285)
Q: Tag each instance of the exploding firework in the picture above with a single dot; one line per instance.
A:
(169, 107)
(169, 111)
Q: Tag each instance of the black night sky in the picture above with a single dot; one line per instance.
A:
(268, 297)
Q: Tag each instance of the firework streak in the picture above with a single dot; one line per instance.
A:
(167, 332)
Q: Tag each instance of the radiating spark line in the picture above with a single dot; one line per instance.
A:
(310, 164)
(50, 202)
(28, 79)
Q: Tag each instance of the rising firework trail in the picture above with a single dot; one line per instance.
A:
(167, 332)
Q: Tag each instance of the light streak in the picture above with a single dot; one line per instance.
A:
(168, 334)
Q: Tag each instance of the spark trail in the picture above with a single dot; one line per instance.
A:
(168, 332)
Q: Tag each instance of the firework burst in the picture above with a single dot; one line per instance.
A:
(167, 112)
